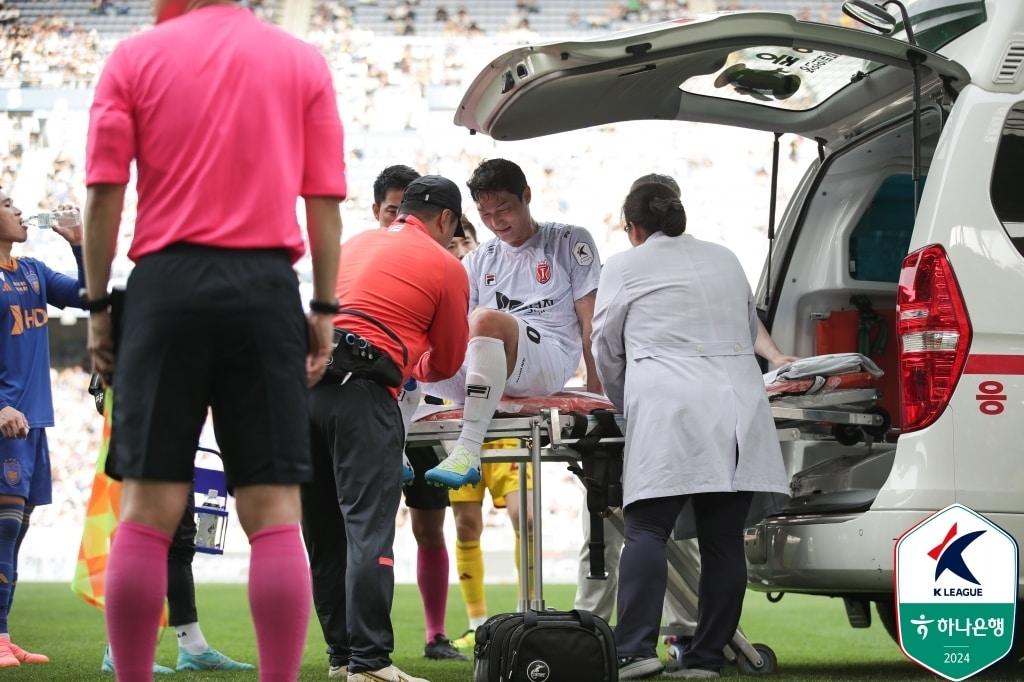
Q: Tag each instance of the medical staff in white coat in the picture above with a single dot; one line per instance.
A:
(673, 339)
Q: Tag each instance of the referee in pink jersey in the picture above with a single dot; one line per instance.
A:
(229, 121)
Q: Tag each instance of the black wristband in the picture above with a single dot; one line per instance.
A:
(98, 305)
(323, 307)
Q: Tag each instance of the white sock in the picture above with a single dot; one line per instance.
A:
(190, 638)
(474, 623)
(487, 372)
(408, 401)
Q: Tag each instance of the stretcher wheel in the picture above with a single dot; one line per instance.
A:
(769, 662)
(878, 432)
(847, 434)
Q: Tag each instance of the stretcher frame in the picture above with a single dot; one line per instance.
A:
(683, 569)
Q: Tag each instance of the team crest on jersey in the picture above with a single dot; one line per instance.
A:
(7, 287)
(12, 471)
(33, 281)
(490, 279)
(543, 272)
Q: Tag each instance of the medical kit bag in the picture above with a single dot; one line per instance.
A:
(536, 644)
(545, 646)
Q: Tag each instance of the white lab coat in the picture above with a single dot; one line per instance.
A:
(673, 336)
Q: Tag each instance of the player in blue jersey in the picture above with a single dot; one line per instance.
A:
(26, 406)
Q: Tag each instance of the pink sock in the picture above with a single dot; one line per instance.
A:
(279, 597)
(432, 578)
(136, 587)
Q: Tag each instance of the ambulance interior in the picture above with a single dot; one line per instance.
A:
(836, 265)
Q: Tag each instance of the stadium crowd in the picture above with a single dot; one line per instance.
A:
(396, 92)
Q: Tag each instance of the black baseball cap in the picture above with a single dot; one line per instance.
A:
(434, 190)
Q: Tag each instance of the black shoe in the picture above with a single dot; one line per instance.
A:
(442, 650)
(636, 667)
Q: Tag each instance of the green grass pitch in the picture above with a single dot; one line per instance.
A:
(809, 634)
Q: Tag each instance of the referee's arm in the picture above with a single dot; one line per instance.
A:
(103, 206)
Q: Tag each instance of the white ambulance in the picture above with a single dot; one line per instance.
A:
(935, 295)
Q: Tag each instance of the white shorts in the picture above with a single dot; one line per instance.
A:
(542, 368)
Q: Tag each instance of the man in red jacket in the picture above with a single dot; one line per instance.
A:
(404, 304)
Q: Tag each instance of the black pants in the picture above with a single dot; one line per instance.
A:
(181, 591)
(348, 518)
(643, 574)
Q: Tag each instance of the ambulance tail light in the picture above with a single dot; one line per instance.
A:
(934, 335)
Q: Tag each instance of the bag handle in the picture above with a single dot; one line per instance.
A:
(380, 325)
(586, 619)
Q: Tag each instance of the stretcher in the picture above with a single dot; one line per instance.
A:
(552, 426)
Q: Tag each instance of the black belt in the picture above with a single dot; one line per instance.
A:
(356, 358)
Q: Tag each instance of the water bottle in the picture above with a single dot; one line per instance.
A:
(69, 217)
(211, 524)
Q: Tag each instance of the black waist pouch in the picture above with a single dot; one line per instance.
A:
(356, 358)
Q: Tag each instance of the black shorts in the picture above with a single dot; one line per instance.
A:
(212, 328)
(419, 494)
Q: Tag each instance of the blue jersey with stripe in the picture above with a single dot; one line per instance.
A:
(25, 291)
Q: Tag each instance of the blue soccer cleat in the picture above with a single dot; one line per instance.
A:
(459, 468)
(407, 472)
(108, 665)
(211, 659)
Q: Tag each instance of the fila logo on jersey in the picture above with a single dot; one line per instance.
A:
(490, 279)
(477, 391)
(543, 272)
(583, 254)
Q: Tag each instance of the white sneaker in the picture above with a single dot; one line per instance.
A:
(339, 672)
(388, 674)
(461, 467)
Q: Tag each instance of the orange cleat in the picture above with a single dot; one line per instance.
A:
(7, 657)
(27, 657)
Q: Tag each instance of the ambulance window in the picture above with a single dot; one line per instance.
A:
(881, 238)
(1007, 198)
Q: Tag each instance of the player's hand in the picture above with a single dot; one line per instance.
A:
(101, 345)
(321, 334)
(13, 423)
(72, 232)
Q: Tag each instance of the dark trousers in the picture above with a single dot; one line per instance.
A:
(643, 574)
(181, 591)
(348, 518)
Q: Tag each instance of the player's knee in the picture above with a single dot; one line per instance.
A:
(428, 535)
(467, 530)
(265, 506)
(491, 323)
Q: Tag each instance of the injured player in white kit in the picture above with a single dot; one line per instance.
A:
(531, 291)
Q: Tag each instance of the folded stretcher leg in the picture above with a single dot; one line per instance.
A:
(408, 401)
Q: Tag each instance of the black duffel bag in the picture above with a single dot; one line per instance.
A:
(545, 646)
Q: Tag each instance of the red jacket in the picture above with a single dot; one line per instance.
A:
(406, 280)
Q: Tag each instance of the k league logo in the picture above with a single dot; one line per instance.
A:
(956, 592)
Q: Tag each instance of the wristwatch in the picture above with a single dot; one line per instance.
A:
(324, 307)
(98, 305)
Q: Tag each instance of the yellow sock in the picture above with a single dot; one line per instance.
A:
(529, 566)
(469, 560)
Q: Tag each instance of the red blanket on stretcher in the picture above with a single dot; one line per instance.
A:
(821, 384)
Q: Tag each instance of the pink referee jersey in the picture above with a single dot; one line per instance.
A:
(229, 119)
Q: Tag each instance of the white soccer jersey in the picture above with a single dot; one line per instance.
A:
(539, 281)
